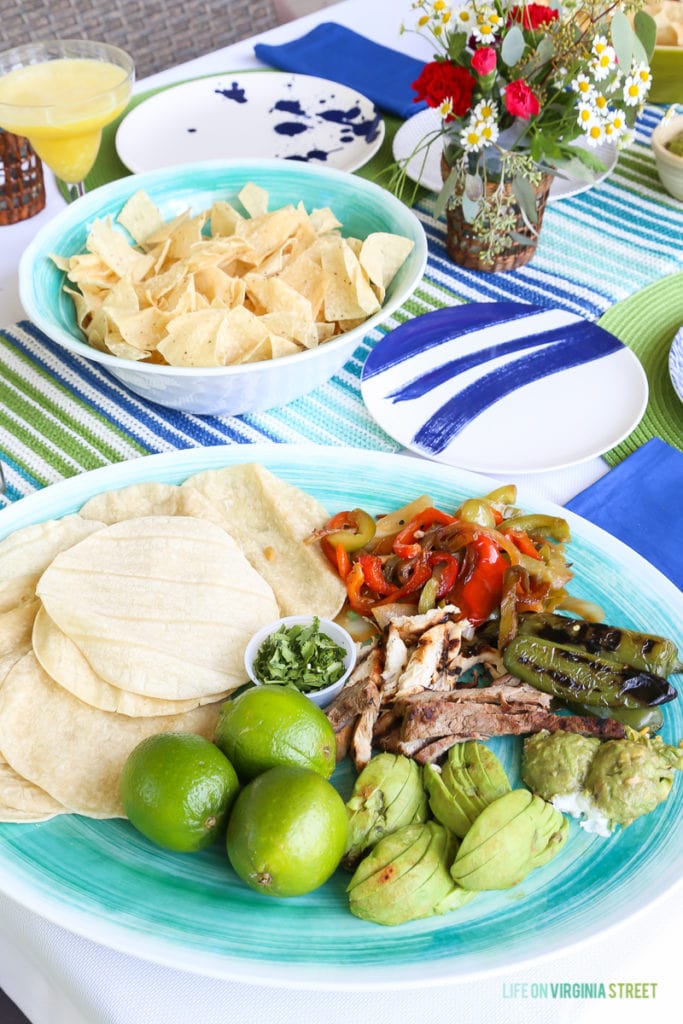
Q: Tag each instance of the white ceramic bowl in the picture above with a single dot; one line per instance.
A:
(669, 165)
(320, 697)
(361, 207)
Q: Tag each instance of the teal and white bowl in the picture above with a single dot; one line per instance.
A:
(360, 205)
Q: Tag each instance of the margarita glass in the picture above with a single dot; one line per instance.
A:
(60, 94)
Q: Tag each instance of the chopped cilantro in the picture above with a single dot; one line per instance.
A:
(302, 656)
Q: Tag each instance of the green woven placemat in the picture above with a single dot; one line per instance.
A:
(647, 323)
(109, 167)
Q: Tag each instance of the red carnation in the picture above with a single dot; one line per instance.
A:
(520, 100)
(532, 15)
(439, 80)
(484, 60)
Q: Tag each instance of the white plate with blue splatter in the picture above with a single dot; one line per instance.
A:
(253, 115)
(503, 387)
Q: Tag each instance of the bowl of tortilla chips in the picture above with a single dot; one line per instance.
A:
(223, 287)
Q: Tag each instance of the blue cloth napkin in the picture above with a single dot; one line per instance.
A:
(640, 501)
(337, 53)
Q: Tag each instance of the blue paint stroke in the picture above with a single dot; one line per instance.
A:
(438, 375)
(313, 154)
(367, 128)
(431, 329)
(440, 429)
(235, 92)
(290, 128)
(290, 107)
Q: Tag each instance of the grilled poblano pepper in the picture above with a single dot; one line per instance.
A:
(650, 718)
(643, 651)
(573, 674)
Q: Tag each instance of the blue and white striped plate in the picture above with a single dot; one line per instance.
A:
(504, 387)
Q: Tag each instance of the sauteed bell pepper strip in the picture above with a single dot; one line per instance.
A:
(479, 589)
(406, 543)
(351, 529)
(438, 556)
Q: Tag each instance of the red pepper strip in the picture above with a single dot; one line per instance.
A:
(405, 545)
(524, 542)
(343, 561)
(354, 582)
(479, 590)
(449, 571)
(421, 573)
(374, 577)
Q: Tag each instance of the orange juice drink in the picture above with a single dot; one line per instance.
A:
(61, 106)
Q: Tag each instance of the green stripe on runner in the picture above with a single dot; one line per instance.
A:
(21, 406)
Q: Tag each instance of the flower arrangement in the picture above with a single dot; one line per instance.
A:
(517, 85)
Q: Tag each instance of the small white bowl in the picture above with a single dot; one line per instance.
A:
(337, 633)
(669, 166)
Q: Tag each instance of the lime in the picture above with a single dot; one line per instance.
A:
(178, 789)
(272, 725)
(287, 831)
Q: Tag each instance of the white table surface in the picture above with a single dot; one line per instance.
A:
(57, 977)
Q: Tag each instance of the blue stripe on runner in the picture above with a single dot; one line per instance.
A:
(466, 405)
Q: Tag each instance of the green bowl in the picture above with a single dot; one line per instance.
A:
(667, 75)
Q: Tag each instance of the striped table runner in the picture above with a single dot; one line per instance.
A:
(62, 415)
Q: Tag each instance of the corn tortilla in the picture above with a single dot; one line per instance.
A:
(270, 519)
(162, 606)
(21, 800)
(71, 750)
(27, 552)
(63, 661)
(148, 499)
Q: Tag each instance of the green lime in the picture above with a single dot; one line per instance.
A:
(178, 789)
(287, 831)
(272, 725)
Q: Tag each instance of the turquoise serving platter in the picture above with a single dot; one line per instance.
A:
(104, 881)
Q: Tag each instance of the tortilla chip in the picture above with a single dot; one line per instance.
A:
(382, 255)
(140, 217)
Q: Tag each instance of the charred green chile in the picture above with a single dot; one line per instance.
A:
(643, 651)
(650, 718)
(573, 674)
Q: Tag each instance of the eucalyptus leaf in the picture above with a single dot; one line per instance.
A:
(445, 193)
(639, 54)
(470, 208)
(622, 38)
(526, 197)
(522, 239)
(575, 168)
(542, 55)
(474, 187)
(646, 31)
(513, 46)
